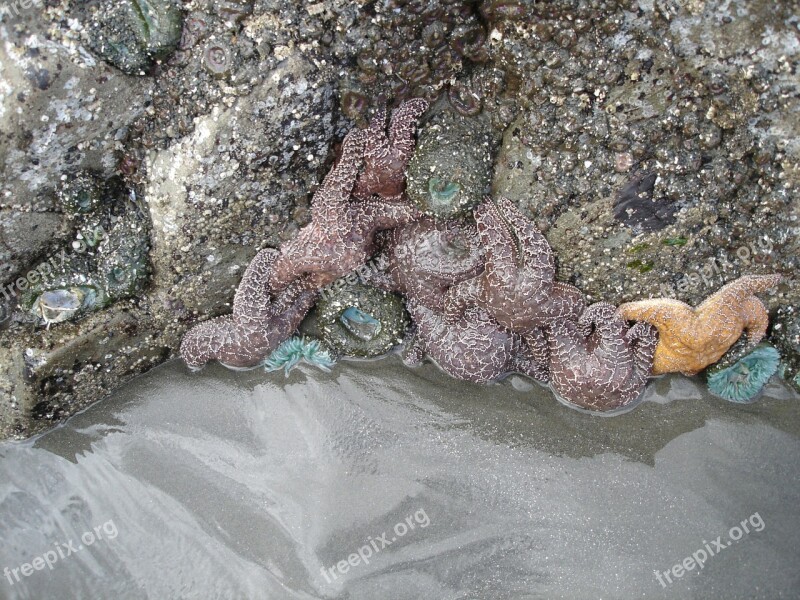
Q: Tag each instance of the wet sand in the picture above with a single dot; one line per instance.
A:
(228, 484)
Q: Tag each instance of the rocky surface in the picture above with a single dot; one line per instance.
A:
(655, 144)
(664, 167)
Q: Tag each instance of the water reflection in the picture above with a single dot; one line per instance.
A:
(244, 484)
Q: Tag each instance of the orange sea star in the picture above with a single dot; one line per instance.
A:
(690, 339)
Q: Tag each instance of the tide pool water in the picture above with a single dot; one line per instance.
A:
(376, 481)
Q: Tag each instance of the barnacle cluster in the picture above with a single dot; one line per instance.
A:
(625, 128)
(411, 48)
(786, 336)
(596, 104)
(193, 78)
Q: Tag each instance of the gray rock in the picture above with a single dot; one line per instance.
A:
(657, 169)
(59, 111)
(23, 237)
(239, 180)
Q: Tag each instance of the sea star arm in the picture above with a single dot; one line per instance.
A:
(532, 356)
(530, 367)
(296, 304)
(737, 302)
(382, 280)
(402, 127)
(387, 158)
(331, 217)
(501, 257)
(755, 320)
(376, 146)
(329, 202)
(566, 301)
(258, 323)
(414, 352)
(536, 340)
(567, 349)
(202, 342)
(252, 300)
(600, 315)
(664, 313)
(387, 214)
(643, 337)
(604, 331)
(298, 256)
(380, 275)
(461, 296)
(747, 285)
(680, 333)
(226, 340)
(536, 252)
(295, 292)
(376, 152)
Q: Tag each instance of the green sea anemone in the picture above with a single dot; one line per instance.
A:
(81, 193)
(296, 349)
(451, 169)
(360, 320)
(743, 381)
(132, 34)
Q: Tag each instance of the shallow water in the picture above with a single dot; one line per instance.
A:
(228, 484)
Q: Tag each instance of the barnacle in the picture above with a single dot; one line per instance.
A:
(431, 43)
(81, 193)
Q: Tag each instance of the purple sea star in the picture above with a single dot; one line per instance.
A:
(425, 258)
(517, 286)
(341, 234)
(259, 323)
(474, 348)
(598, 363)
(386, 158)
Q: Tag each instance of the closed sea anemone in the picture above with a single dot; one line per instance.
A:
(296, 349)
(361, 320)
(743, 381)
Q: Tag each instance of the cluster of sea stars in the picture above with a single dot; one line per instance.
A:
(482, 294)
(362, 194)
